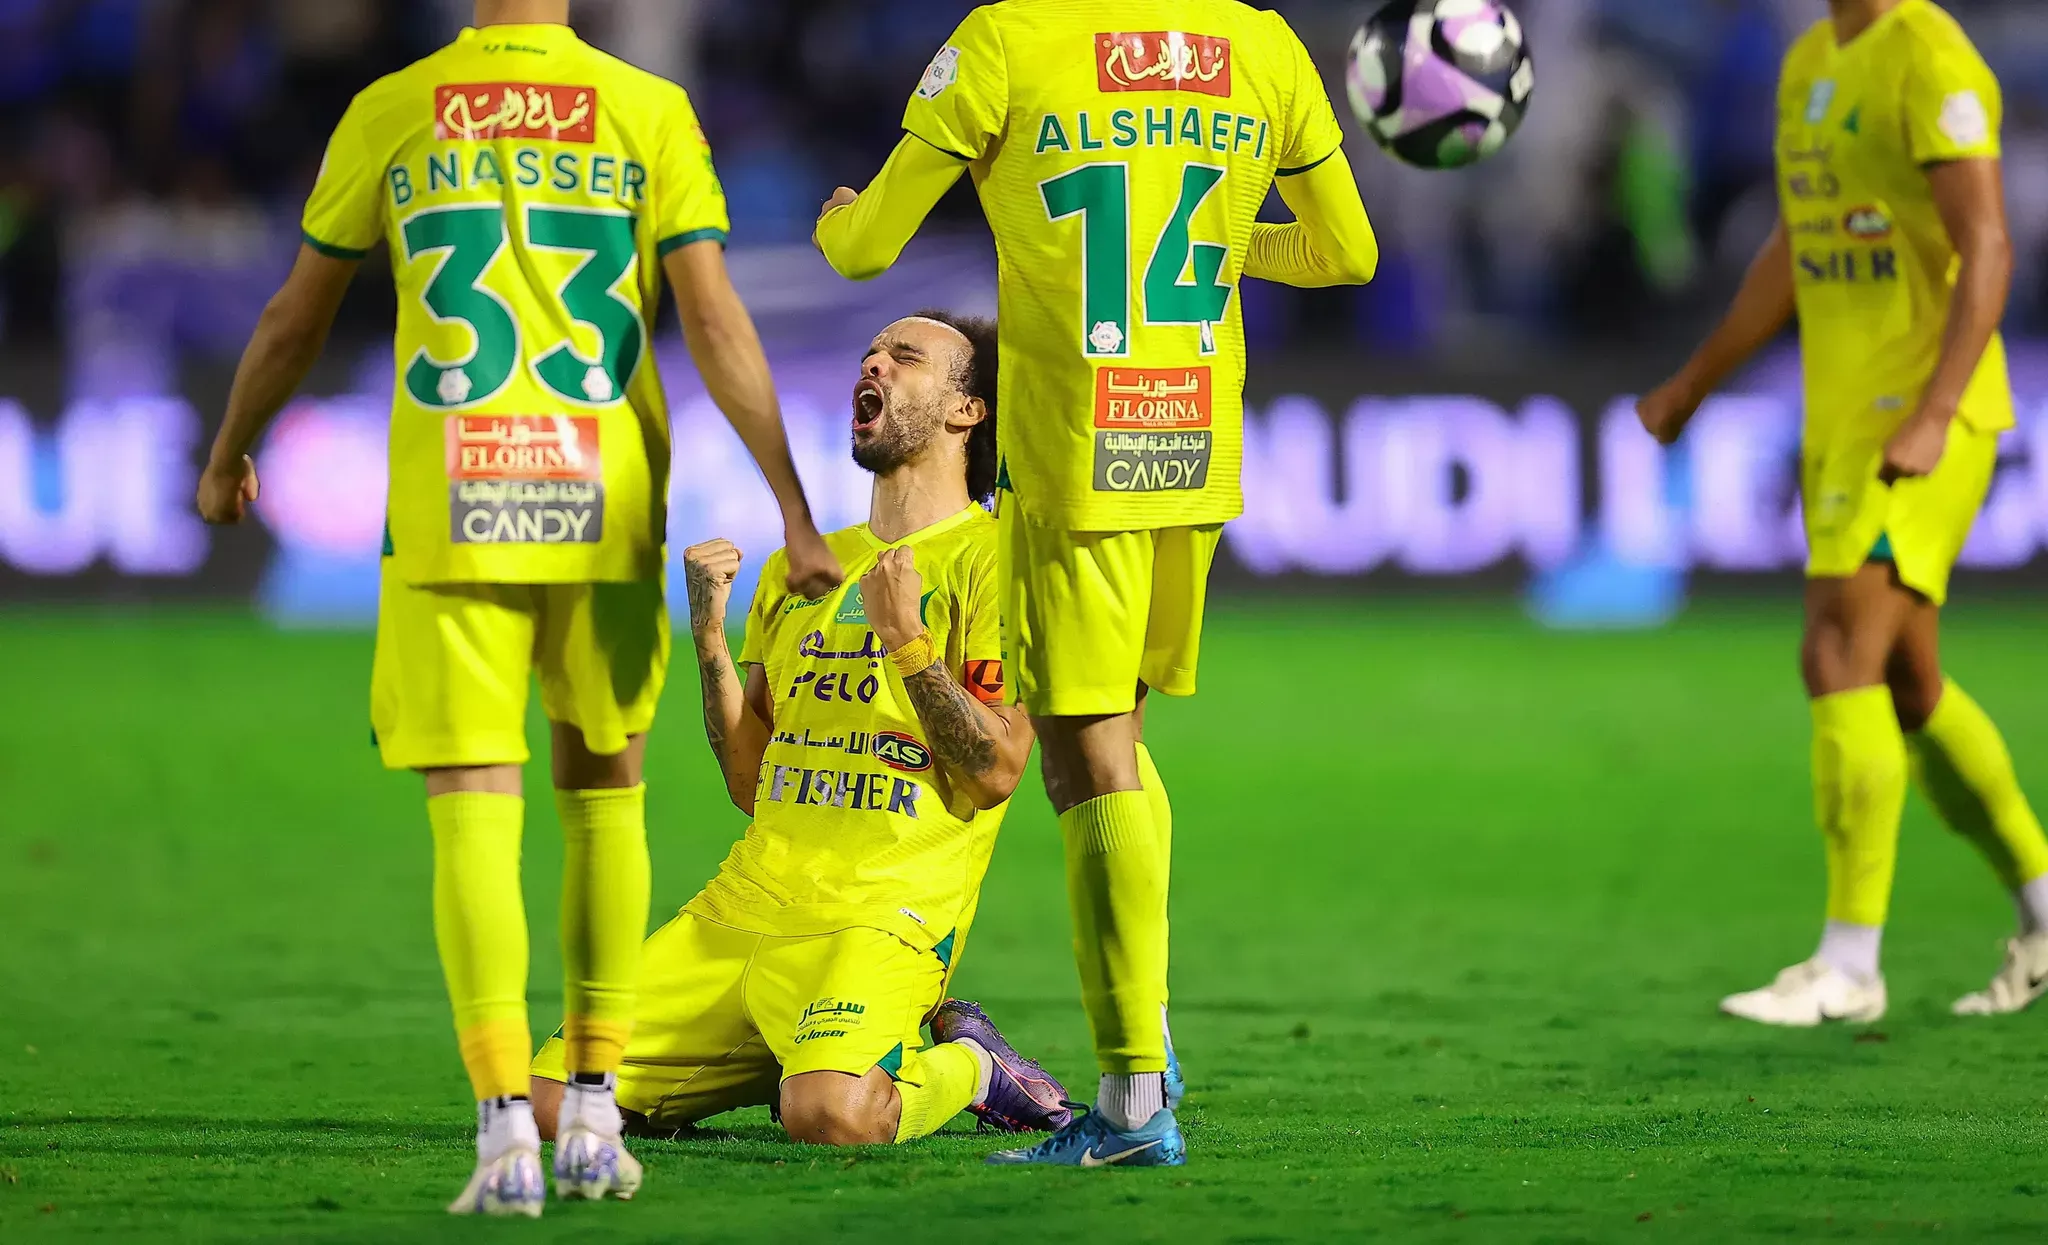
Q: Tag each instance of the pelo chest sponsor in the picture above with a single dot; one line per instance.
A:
(524, 479)
(1152, 429)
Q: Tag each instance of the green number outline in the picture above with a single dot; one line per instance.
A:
(586, 295)
(1167, 301)
(1104, 204)
(1105, 227)
(470, 305)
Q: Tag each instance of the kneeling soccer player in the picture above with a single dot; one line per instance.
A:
(872, 748)
(1891, 248)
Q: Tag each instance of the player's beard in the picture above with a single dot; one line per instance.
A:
(900, 435)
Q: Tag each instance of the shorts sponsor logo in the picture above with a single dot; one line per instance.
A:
(983, 680)
(830, 1018)
(524, 479)
(899, 751)
(832, 788)
(1152, 429)
(1162, 60)
(1867, 222)
(486, 110)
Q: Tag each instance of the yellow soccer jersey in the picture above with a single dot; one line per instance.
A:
(528, 185)
(855, 821)
(1121, 152)
(1872, 264)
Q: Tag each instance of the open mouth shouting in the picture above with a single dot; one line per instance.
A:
(868, 402)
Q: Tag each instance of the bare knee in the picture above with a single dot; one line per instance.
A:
(838, 1109)
(1915, 693)
(547, 1104)
(1085, 757)
(577, 768)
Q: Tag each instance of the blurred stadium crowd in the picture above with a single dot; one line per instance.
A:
(155, 154)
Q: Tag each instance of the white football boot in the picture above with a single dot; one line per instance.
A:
(1807, 994)
(2019, 981)
(509, 1179)
(591, 1160)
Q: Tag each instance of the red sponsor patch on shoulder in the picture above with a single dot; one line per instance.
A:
(1152, 397)
(1162, 60)
(983, 680)
(483, 110)
(523, 447)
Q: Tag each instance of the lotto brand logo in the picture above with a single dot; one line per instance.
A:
(1152, 398)
(483, 110)
(1162, 60)
(899, 751)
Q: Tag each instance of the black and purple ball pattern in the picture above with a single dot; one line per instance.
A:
(1440, 83)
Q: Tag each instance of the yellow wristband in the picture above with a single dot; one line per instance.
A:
(915, 655)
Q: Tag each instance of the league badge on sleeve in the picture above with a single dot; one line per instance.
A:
(1963, 119)
(943, 72)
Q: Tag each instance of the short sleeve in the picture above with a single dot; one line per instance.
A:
(761, 616)
(689, 202)
(963, 101)
(982, 665)
(1952, 103)
(345, 213)
(1313, 134)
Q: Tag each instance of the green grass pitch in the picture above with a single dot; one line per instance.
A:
(1453, 900)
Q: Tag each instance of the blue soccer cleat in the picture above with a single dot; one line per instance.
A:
(1090, 1141)
(1022, 1097)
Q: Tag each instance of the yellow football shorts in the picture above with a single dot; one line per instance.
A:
(449, 681)
(1088, 615)
(1919, 525)
(724, 1015)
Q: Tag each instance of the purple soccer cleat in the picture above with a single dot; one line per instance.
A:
(1022, 1097)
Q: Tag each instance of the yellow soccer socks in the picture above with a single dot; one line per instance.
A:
(1116, 888)
(480, 928)
(1961, 765)
(1859, 793)
(604, 920)
(936, 1085)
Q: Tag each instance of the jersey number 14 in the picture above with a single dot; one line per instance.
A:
(1101, 195)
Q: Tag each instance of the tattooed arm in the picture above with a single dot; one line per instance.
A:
(983, 746)
(737, 719)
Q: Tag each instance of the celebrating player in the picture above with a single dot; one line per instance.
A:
(1892, 250)
(870, 744)
(1121, 151)
(533, 192)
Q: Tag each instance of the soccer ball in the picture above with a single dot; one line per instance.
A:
(1439, 83)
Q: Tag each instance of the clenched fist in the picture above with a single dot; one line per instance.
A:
(892, 594)
(709, 569)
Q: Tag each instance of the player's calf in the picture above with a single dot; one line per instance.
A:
(840, 1109)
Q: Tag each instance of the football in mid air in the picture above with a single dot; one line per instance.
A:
(1439, 83)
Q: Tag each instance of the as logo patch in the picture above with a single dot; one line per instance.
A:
(1867, 222)
(943, 72)
(899, 751)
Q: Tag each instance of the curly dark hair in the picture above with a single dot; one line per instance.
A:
(976, 377)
